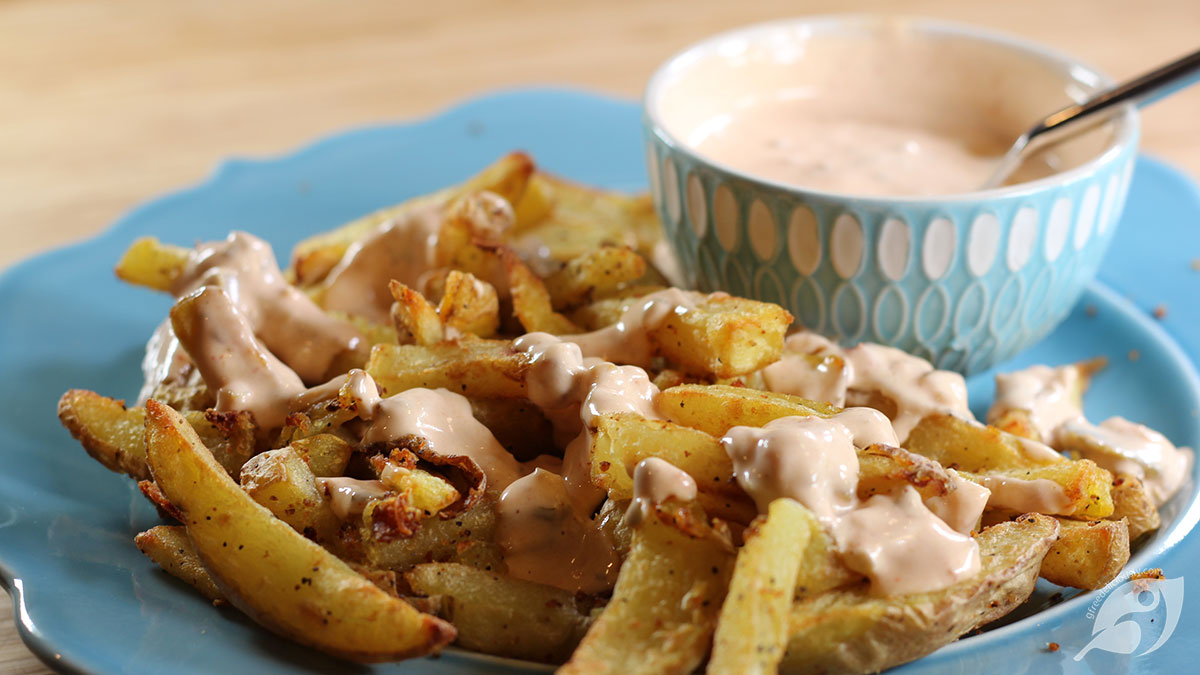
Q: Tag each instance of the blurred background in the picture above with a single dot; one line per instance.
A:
(106, 104)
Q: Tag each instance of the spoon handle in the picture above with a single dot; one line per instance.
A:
(1140, 91)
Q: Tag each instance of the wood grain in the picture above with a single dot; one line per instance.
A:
(104, 105)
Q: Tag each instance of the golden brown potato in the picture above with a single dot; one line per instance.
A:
(664, 608)
(851, 631)
(1133, 503)
(531, 300)
(473, 368)
(717, 408)
(413, 316)
(622, 440)
(152, 264)
(284, 484)
(593, 275)
(1088, 554)
(169, 547)
(265, 568)
(495, 614)
(752, 630)
(970, 446)
(469, 306)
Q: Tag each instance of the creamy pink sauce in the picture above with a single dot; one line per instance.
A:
(961, 507)
(655, 481)
(404, 248)
(881, 107)
(895, 540)
(1136, 450)
(546, 527)
(442, 418)
(283, 318)
(775, 138)
(1127, 447)
(349, 497)
(910, 382)
(1047, 394)
(1027, 496)
(628, 340)
(244, 375)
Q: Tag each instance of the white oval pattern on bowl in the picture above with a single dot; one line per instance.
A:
(937, 251)
(1109, 203)
(804, 242)
(761, 226)
(1058, 226)
(725, 217)
(1021, 237)
(982, 243)
(1088, 208)
(846, 246)
(671, 190)
(697, 205)
(895, 243)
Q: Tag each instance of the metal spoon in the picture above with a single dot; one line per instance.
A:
(1079, 117)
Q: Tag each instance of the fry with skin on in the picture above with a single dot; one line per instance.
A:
(752, 630)
(664, 608)
(269, 571)
(169, 547)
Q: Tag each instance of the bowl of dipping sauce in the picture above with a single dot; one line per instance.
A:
(833, 165)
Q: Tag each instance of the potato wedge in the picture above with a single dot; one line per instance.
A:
(531, 300)
(664, 608)
(325, 454)
(469, 306)
(283, 483)
(622, 440)
(850, 631)
(152, 264)
(1085, 488)
(1133, 503)
(593, 274)
(717, 408)
(752, 630)
(413, 316)
(970, 446)
(171, 549)
(1088, 554)
(466, 538)
(284, 581)
(115, 435)
(473, 368)
(314, 257)
(499, 615)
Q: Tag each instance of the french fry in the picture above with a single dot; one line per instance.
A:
(473, 368)
(314, 257)
(531, 300)
(169, 547)
(500, 615)
(152, 264)
(466, 539)
(622, 440)
(1088, 554)
(271, 572)
(413, 315)
(752, 630)
(970, 446)
(114, 434)
(1086, 488)
(1132, 503)
(716, 409)
(852, 631)
(469, 306)
(594, 274)
(284, 484)
(664, 608)
(325, 454)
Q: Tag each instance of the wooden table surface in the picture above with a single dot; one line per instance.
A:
(104, 105)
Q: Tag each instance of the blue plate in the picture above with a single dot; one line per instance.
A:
(86, 599)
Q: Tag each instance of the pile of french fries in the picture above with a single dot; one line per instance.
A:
(708, 582)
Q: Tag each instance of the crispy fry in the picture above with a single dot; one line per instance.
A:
(966, 445)
(664, 607)
(717, 408)
(474, 368)
(1088, 554)
(752, 630)
(413, 315)
(1133, 503)
(275, 575)
(283, 483)
(852, 631)
(500, 615)
(169, 547)
(594, 274)
(469, 306)
(531, 300)
(150, 263)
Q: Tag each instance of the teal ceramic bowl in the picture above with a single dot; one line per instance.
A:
(964, 280)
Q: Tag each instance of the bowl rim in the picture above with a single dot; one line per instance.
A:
(1125, 139)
